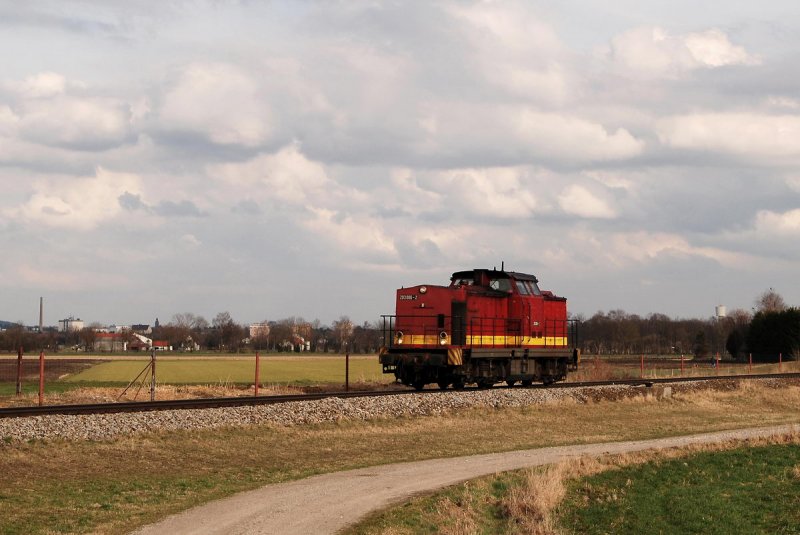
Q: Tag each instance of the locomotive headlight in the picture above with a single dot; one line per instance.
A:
(443, 338)
(399, 337)
(423, 289)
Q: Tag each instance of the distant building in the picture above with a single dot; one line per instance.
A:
(110, 342)
(70, 325)
(142, 329)
(259, 330)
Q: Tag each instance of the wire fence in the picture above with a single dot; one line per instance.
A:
(610, 367)
(126, 377)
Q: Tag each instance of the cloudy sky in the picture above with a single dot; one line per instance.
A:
(277, 159)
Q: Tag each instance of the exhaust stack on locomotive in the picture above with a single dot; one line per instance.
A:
(487, 326)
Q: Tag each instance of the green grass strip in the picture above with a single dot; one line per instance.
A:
(308, 370)
(746, 490)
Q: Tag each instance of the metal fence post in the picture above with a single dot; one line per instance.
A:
(681, 364)
(19, 371)
(641, 366)
(153, 374)
(41, 378)
(258, 375)
(347, 371)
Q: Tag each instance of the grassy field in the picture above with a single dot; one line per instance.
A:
(745, 490)
(293, 370)
(114, 486)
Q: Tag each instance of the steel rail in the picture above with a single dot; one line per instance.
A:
(205, 403)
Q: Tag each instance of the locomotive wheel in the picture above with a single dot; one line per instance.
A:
(510, 382)
(443, 384)
(418, 385)
(527, 382)
(485, 383)
(458, 384)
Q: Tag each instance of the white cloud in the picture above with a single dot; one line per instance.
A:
(579, 201)
(743, 134)
(78, 203)
(287, 176)
(218, 101)
(495, 192)
(359, 237)
(626, 249)
(190, 241)
(712, 48)
(43, 85)
(778, 223)
(574, 139)
(78, 123)
(651, 52)
(516, 50)
(8, 121)
(782, 102)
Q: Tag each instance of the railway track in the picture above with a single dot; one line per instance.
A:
(204, 403)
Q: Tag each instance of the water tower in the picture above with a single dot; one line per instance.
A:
(721, 311)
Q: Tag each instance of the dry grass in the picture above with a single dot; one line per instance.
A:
(86, 394)
(529, 506)
(597, 369)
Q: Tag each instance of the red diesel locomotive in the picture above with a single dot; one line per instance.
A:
(487, 326)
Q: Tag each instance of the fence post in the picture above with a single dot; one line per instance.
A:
(717, 363)
(41, 378)
(152, 374)
(681, 364)
(347, 372)
(641, 366)
(258, 375)
(19, 371)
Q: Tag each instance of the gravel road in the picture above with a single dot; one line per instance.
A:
(327, 503)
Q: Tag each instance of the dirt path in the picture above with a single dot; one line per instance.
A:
(329, 502)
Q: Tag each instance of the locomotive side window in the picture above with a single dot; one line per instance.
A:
(534, 288)
(522, 288)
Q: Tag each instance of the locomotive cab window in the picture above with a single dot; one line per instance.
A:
(503, 285)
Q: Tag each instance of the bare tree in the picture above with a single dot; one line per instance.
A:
(342, 331)
(770, 301)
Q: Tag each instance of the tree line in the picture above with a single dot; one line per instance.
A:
(190, 332)
(770, 329)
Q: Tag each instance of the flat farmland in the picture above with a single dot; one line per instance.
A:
(237, 370)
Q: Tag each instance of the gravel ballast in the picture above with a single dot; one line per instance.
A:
(109, 426)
